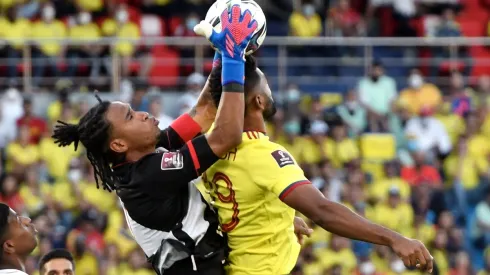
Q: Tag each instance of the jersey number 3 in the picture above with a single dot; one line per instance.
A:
(230, 198)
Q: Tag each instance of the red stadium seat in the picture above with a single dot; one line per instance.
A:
(165, 70)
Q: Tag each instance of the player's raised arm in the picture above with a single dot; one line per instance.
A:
(232, 41)
(189, 125)
(338, 219)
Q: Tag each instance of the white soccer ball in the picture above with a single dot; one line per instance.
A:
(213, 17)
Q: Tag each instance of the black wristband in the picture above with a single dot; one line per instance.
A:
(234, 88)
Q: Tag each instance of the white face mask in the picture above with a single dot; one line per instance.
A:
(293, 95)
(84, 18)
(415, 81)
(122, 16)
(48, 13)
(74, 175)
(308, 10)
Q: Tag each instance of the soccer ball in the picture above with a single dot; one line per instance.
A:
(213, 17)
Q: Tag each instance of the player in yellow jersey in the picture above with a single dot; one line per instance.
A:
(257, 186)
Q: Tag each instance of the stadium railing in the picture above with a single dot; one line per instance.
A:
(315, 64)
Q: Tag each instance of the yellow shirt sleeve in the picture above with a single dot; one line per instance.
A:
(281, 173)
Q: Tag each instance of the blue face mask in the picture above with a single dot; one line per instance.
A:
(412, 145)
(308, 10)
(191, 23)
(292, 128)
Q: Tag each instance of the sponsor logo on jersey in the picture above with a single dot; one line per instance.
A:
(282, 158)
(172, 161)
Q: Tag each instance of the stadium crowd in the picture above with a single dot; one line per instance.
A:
(416, 160)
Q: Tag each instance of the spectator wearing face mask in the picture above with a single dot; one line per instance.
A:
(14, 28)
(449, 27)
(292, 141)
(121, 27)
(428, 134)
(187, 53)
(305, 23)
(377, 93)
(353, 115)
(46, 54)
(84, 31)
(419, 93)
(194, 85)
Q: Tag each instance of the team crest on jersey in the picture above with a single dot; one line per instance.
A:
(282, 158)
(172, 161)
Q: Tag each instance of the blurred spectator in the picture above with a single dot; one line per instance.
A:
(47, 53)
(194, 85)
(482, 227)
(36, 125)
(187, 52)
(28, 9)
(422, 172)
(438, 251)
(21, 155)
(90, 5)
(394, 213)
(314, 112)
(420, 94)
(306, 23)
(379, 189)
(461, 103)
(84, 31)
(14, 30)
(313, 146)
(157, 112)
(478, 145)
(119, 26)
(450, 28)
(486, 269)
(453, 123)
(343, 20)
(85, 262)
(428, 134)
(340, 149)
(462, 265)
(292, 141)
(338, 255)
(34, 193)
(483, 91)
(377, 94)
(10, 194)
(352, 114)
(55, 108)
(140, 100)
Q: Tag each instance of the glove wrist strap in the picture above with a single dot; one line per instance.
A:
(233, 71)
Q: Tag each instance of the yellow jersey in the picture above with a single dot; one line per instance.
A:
(246, 187)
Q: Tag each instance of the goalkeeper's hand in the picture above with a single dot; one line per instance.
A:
(237, 30)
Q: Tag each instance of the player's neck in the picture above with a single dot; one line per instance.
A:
(13, 263)
(254, 123)
(134, 156)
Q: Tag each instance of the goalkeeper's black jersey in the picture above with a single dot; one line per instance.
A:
(165, 212)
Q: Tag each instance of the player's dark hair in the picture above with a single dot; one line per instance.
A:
(252, 78)
(4, 225)
(93, 131)
(55, 254)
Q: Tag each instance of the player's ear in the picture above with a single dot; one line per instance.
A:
(8, 247)
(118, 145)
(260, 102)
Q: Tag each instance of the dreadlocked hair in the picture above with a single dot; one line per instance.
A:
(93, 132)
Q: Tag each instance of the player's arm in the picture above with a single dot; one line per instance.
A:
(186, 127)
(339, 220)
